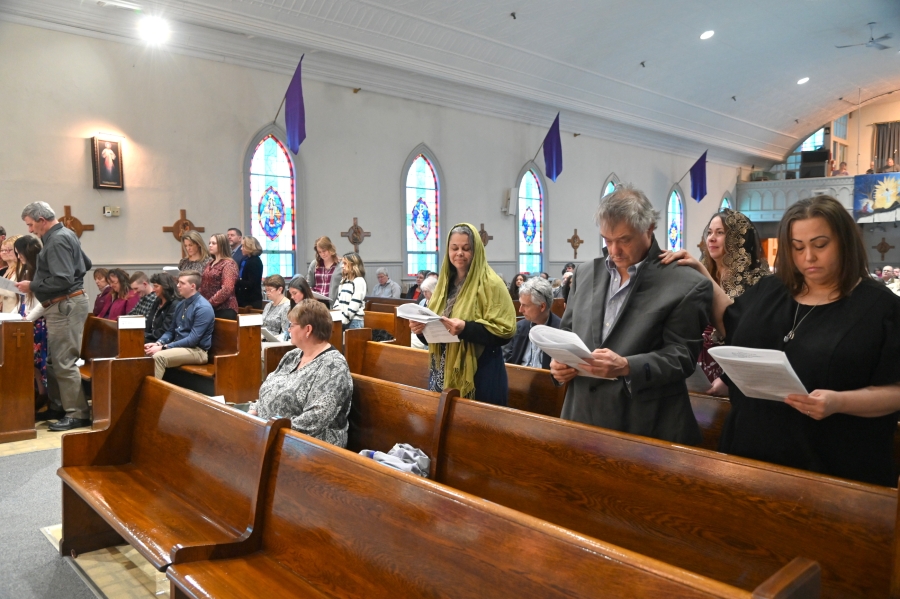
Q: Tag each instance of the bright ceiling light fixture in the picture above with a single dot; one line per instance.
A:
(707, 34)
(802, 81)
(154, 30)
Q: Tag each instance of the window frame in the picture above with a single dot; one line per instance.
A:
(539, 174)
(299, 229)
(441, 194)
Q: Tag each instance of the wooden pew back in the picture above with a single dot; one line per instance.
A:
(397, 327)
(103, 338)
(351, 528)
(224, 339)
(730, 519)
(16, 381)
(390, 301)
(558, 306)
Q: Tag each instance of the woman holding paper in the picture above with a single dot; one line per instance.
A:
(840, 331)
(474, 305)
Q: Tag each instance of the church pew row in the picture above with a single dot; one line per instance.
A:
(104, 338)
(16, 381)
(390, 301)
(233, 370)
(398, 328)
(558, 306)
(530, 389)
(172, 473)
(338, 525)
(730, 519)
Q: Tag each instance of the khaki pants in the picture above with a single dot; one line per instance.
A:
(177, 356)
(65, 327)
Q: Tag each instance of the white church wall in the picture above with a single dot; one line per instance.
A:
(187, 123)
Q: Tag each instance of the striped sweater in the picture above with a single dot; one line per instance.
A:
(351, 300)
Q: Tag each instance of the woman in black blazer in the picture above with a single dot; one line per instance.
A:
(248, 290)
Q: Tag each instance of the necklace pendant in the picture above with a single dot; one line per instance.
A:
(788, 337)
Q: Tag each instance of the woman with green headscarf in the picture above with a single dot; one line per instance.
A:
(475, 306)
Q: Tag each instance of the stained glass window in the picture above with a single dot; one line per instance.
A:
(422, 205)
(272, 206)
(531, 224)
(675, 222)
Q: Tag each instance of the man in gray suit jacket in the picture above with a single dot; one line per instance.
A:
(643, 322)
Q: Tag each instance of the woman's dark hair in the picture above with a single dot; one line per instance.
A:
(122, 277)
(300, 283)
(567, 266)
(167, 282)
(851, 252)
(100, 273)
(28, 246)
(513, 288)
(311, 312)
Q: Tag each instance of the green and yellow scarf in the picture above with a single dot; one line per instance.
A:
(483, 298)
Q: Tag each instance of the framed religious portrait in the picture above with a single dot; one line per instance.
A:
(106, 157)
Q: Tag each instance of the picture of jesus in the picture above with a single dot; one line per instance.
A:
(107, 162)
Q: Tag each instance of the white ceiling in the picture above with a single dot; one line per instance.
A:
(580, 57)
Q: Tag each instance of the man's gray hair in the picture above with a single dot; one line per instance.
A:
(539, 289)
(629, 205)
(381, 271)
(429, 285)
(38, 211)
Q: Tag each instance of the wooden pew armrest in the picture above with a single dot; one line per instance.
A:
(800, 579)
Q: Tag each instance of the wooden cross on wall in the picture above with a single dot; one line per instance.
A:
(484, 235)
(70, 222)
(356, 235)
(575, 241)
(883, 247)
(182, 226)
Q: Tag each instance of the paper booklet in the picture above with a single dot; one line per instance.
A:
(8, 285)
(563, 346)
(170, 268)
(434, 332)
(760, 373)
(319, 296)
(270, 336)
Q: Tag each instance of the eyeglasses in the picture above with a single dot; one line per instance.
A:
(291, 325)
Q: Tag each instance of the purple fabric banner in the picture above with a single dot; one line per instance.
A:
(294, 112)
(553, 165)
(698, 178)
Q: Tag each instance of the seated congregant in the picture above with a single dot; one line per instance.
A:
(140, 286)
(385, 287)
(190, 336)
(415, 291)
(890, 167)
(274, 316)
(643, 322)
(159, 319)
(535, 299)
(104, 298)
(123, 298)
(312, 384)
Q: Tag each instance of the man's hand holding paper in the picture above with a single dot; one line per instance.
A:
(567, 349)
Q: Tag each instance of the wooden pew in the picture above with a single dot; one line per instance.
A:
(530, 389)
(376, 307)
(16, 381)
(710, 412)
(731, 519)
(272, 355)
(339, 525)
(233, 370)
(104, 338)
(390, 301)
(558, 306)
(174, 474)
(397, 327)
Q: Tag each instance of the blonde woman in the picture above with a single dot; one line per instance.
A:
(219, 278)
(351, 297)
(8, 255)
(196, 256)
(323, 274)
(250, 271)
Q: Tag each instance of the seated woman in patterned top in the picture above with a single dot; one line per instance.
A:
(312, 384)
(274, 316)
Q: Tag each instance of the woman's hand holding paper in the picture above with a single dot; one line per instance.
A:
(817, 405)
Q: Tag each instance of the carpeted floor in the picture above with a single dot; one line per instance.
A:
(29, 500)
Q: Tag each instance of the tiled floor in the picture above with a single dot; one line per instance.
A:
(117, 572)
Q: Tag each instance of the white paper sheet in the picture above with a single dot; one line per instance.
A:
(563, 346)
(270, 336)
(8, 285)
(319, 296)
(760, 373)
(9, 316)
(170, 269)
(335, 316)
(417, 313)
(436, 332)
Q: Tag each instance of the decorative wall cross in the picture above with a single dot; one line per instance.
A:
(883, 247)
(575, 241)
(182, 226)
(70, 222)
(18, 335)
(484, 235)
(356, 235)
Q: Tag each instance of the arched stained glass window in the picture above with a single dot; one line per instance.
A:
(675, 222)
(422, 206)
(531, 223)
(272, 206)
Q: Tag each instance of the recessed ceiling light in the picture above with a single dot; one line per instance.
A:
(707, 34)
(802, 81)
(154, 30)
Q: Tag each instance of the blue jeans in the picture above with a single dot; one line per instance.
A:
(356, 323)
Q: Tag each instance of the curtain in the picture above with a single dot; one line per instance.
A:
(887, 144)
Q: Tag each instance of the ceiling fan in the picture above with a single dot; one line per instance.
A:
(872, 43)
